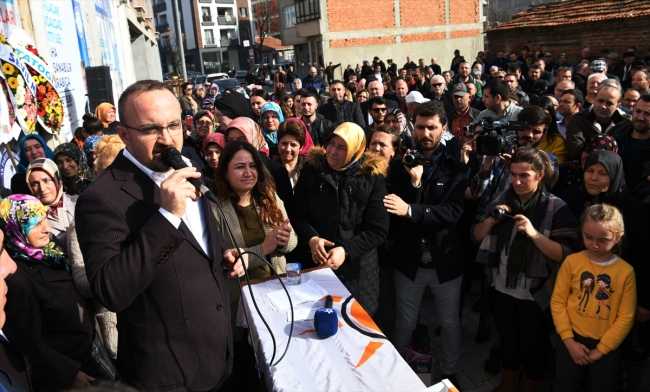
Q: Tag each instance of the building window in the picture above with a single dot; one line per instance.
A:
(243, 12)
(307, 10)
(209, 36)
(162, 19)
(265, 59)
(207, 17)
(288, 56)
(289, 16)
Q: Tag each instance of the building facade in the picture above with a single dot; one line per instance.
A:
(345, 32)
(209, 32)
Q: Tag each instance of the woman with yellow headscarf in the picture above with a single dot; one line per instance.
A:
(106, 113)
(339, 213)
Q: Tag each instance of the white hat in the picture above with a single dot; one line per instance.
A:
(415, 96)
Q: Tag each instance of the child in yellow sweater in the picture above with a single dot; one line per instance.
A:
(593, 302)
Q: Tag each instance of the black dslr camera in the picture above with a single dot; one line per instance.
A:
(500, 214)
(414, 158)
(496, 137)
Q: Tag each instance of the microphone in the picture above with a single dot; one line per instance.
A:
(173, 158)
(326, 321)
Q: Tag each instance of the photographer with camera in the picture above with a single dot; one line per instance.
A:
(429, 188)
(525, 234)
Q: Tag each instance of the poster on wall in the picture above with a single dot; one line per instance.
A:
(66, 62)
(9, 16)
(108, 45)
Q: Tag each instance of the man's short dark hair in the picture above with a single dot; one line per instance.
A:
(431, 109)
(376, 101)
(645, 98)
(580, 67)
(337, 82)
(369, 80)
(535, 66)
(578, 97)
(307, 94)
(497, 87)
(526, 48)
(514, 68)
(300, 93)
(535, 115)
(562, 69)
(138, 88)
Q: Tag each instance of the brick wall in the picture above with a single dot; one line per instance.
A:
(415, 13)
(463, 11)
(343, 43)
(352, 15)
(423, 37)
(616, 35)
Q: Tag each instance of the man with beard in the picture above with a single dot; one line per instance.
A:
(421, 85)
(160, 255)
(534, 84)
(495, 98)
(641, 82)
(428, 202)
(316, 124)
(338, 110)
(604, 118)
(634, 142)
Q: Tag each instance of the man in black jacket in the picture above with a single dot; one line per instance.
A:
(338, 110)
(317, 125)
(375, 89)
(427, 203)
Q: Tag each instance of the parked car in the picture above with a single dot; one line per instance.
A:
(216, 76)
(223, 84)
(241, 76)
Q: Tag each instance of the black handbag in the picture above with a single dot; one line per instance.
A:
(96, 362)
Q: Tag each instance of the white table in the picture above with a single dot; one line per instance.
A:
(357, 358)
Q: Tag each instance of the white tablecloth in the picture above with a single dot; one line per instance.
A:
(357, 358)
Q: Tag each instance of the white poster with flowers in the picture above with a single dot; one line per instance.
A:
(21, 87)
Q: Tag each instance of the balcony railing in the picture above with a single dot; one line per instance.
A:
(222, 21)
(162, 27)
(225, 42)
(225, 1)
(307, 10)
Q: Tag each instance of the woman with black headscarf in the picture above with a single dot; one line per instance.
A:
(604, 182)
(74, 170)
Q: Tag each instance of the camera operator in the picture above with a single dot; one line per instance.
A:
(427, 203)
(523, 243)
(494, 175)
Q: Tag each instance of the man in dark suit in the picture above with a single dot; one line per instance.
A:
(154, 255)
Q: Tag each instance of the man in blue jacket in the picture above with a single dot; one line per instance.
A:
(314, 80)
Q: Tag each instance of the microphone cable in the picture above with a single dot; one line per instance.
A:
(213, 199)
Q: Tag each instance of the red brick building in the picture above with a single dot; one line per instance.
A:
(569, 26)
(350, 31)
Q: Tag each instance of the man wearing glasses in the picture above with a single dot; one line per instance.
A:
(187, 100)
(158, 259)
(439, 93)
(377, 110)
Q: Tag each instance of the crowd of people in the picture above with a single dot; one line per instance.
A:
(118, 270)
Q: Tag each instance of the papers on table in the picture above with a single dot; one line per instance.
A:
(301, 314)
(308, 291)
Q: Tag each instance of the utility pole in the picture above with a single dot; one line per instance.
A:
(179, 39)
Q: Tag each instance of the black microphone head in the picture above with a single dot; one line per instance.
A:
(172, 157)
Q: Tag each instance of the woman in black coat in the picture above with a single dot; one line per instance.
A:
(47, 319)
(339, 211)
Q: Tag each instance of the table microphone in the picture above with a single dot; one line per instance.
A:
(173, 158)
(326, 321)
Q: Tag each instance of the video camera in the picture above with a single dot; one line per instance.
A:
(496, 137)
(414, 158)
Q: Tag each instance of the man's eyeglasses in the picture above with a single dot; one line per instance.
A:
(174, 128)
(188, 89)
(499, 77)
(436, 84)
(377, 110)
